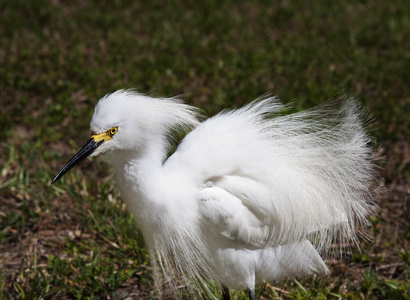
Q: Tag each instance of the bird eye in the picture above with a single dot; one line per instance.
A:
(113, 131)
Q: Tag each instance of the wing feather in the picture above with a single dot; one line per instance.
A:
(278, 178)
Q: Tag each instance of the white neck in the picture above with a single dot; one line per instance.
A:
(140, 179)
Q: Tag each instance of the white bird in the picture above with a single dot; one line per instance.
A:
(249, 195)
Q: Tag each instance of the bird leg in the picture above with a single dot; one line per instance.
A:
(251, 293)
(225, 293)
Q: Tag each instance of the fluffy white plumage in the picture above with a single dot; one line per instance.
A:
(248, 195)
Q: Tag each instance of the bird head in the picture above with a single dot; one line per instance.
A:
(126, 121)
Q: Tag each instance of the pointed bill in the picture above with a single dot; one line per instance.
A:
(89, 148)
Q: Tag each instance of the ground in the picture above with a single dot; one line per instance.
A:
(76, 239)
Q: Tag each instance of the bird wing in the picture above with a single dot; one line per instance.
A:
(265, 177)
(231, 217)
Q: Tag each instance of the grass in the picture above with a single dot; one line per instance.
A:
(76, 239)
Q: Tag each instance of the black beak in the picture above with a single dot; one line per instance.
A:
(83, 153)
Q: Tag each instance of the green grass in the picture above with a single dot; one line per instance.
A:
(76, 239)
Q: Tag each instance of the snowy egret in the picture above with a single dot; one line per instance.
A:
(250, 194)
